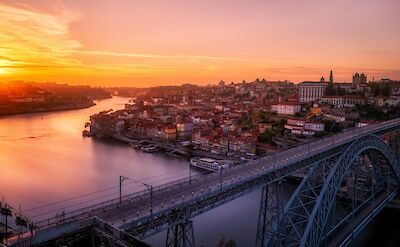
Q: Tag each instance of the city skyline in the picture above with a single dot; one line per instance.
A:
(142, 44)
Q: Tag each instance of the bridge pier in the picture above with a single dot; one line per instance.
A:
(270, 216)
(180, 235)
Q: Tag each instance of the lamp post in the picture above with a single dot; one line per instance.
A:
(6, 211)
(121, 179)
(220, 177)
(148, 186)
(190, 173)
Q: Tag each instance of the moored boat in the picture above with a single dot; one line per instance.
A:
(149, 149)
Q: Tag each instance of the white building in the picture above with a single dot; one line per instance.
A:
(386, 101)
(286, 108)
(311, 91)
(364, 123)
(302, 127)
(353, 100)
(336, 101)
(184, 127)
(314, 126)
(336, 118)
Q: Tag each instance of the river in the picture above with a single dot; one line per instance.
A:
(45, 160)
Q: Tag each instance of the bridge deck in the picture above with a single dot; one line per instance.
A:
(137, 206)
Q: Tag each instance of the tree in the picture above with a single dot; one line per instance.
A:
(385, 90)
(380, 89)
(267, 137)
(330, 90)
(262, 115)
(331, 126)
(320, 134)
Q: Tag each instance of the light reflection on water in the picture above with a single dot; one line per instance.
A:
(45, 159)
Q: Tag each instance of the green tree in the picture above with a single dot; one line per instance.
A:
(331, 126)
(267, 137)
(330, 90)
(385, 90)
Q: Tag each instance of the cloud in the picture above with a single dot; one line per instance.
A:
(30, 37)
(36, 40)
(144, 55)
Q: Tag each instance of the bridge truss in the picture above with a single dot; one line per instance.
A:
(339, 195)
(346, 184)
(349, 178)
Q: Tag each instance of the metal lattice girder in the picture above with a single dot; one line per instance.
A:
(315, 228)
(181, 198)
(270, 213)
(398, 146)
(297, 211)
(355, 195)
(147, 226)
(162, 219)
(180, 235)
(300, 223)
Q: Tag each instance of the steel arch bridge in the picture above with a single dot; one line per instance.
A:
(348, 178)
(339, 195)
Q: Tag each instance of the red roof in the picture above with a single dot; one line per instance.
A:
(353, 96)
(332, 96)
(286, 103)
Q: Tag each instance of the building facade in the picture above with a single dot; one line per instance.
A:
(304, 127)
(359, 78)
(286, 108)
(336, 101)
(311, 91)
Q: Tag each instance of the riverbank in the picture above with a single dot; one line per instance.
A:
(23, 110)
(175, 150)
(30, 97)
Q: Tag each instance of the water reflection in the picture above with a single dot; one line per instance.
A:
(44, 158)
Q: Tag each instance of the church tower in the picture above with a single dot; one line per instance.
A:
(331, 77)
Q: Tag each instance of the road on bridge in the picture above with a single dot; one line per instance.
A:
(137, 206)
(198, 186)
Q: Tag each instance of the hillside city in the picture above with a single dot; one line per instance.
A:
(19, 97)
(199, 123)
(248, 118)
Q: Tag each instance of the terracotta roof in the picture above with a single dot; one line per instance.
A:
(286, 103)
(353, 96)
(332, 96)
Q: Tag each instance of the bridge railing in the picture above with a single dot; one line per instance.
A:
(63, 216)
(251, 174)
(357, 131)
(137, 196)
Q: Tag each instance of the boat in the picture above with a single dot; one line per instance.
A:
(135, 145)
(86, 133)
(209, 164)
(149, 149)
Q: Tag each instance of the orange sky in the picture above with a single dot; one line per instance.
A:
(158, 42)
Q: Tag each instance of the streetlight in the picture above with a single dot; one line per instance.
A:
(220, 176)
(148, 186)
(6, 211)
(190, 173)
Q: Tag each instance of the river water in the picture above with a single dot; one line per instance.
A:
(45, 160)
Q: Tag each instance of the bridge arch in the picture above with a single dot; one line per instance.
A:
(318, 219)
(304, 219)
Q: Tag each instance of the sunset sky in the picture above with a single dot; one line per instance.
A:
(158, 42)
